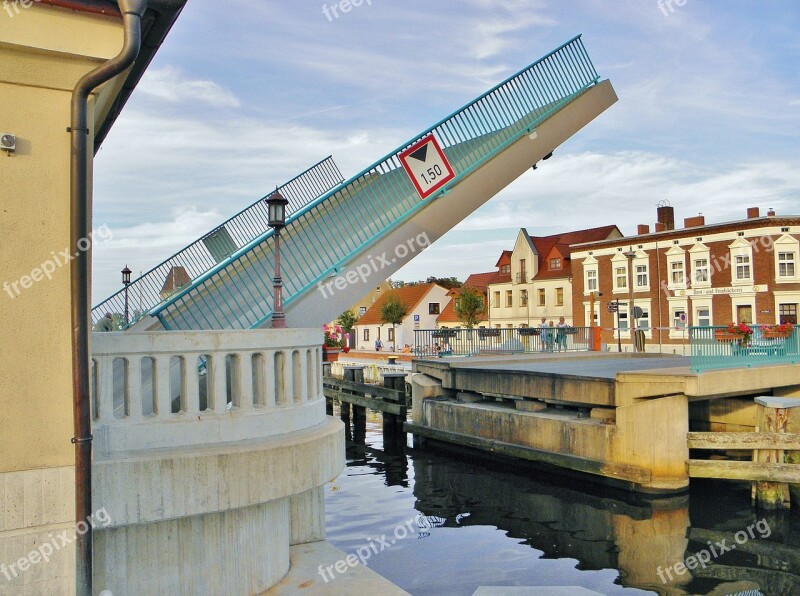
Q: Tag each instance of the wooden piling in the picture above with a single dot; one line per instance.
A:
(773, 416)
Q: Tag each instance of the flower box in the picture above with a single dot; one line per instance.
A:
(483, 333)
(727, 336)
(330, 354)
(774, 334)
(528, 331)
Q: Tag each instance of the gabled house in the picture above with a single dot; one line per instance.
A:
(424, 303)
(539, 282)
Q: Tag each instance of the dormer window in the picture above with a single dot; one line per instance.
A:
(505, 269)
(555, 264)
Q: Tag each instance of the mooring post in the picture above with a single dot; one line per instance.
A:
(773, 416)
(326, 373)
(354, 374)
(395, 380)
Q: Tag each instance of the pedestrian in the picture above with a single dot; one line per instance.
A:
(551, 336)
(543, 334)
(378, 345)
(106, 323)
(561, 334)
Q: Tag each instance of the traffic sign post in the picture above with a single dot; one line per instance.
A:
(427, 166)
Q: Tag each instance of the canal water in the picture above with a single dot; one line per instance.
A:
(447, 522)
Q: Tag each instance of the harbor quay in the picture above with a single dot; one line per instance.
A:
(614, 418)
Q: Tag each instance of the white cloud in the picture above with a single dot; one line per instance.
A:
(168, 84)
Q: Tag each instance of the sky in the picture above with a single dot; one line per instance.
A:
(246, 94)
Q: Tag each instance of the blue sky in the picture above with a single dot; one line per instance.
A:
(245, 94)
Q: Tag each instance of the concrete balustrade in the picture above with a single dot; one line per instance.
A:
(178, 389)
(208, 433)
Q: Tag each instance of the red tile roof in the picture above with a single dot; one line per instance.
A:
(545, 244)
(480, 281)
(449, 313)
(410, 296)
(505, 258)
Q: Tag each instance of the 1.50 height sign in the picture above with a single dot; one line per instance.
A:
(427, 166)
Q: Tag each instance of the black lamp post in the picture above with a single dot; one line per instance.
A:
(276, 206)
(126, 280)
(630, 255)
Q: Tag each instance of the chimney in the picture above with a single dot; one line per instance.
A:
(642, 229)
(694, 222)
(666, 216)
(660, 227)
(771, 212)
(753, 212)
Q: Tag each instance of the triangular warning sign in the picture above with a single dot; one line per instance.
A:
(421, 154)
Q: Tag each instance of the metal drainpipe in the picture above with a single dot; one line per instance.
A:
(132, 12)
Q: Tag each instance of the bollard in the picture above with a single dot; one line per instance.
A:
(392, 425)
(354, 374)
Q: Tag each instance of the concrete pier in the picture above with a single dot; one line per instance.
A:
(623, 419)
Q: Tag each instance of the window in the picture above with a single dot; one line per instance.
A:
(786, 264)
(391, 334)
(522, 267)
(703, 318)
(523, 298)
(643, 322)
(362, 310)
(623, 318)
(641, 276)
(788, 313)
(555, 263)
(621, 277)
(509, 298)
(559, 296)
(496, 301)
(677, 273)
(366, 334)
(505, 269)
(540, 297)
(433, 308)
(591, 280)
(742, 267)
(679, 319)
(700, 270)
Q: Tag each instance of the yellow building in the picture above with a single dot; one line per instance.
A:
(539, 278)
(45, 48)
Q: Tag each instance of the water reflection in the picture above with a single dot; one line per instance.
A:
(520, 525)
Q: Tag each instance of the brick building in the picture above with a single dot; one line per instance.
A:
(703, 274)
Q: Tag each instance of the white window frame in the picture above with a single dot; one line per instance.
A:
(676, 255)
(743, 268)
(591, 278)
(741, 248)
(642, 287)
(700, 252)
(791, 261)
(787, 244)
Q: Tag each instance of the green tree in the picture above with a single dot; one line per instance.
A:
(469, 307)
(446, 282)
(347, 320)
(393, 312)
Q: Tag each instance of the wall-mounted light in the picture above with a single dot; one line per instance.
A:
(8, 142)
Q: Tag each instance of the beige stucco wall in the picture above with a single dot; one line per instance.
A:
(43, 52)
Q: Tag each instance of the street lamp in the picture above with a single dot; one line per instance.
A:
(276, 210)
(630, 256)
(126, 280)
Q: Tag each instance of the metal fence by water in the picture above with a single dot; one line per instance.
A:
(520, 340)
(718, 348)
(217, 245)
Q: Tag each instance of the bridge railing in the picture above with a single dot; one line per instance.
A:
(717, 347)
(148, 391)
(433, 343)
(322, 237)
(215, 247)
